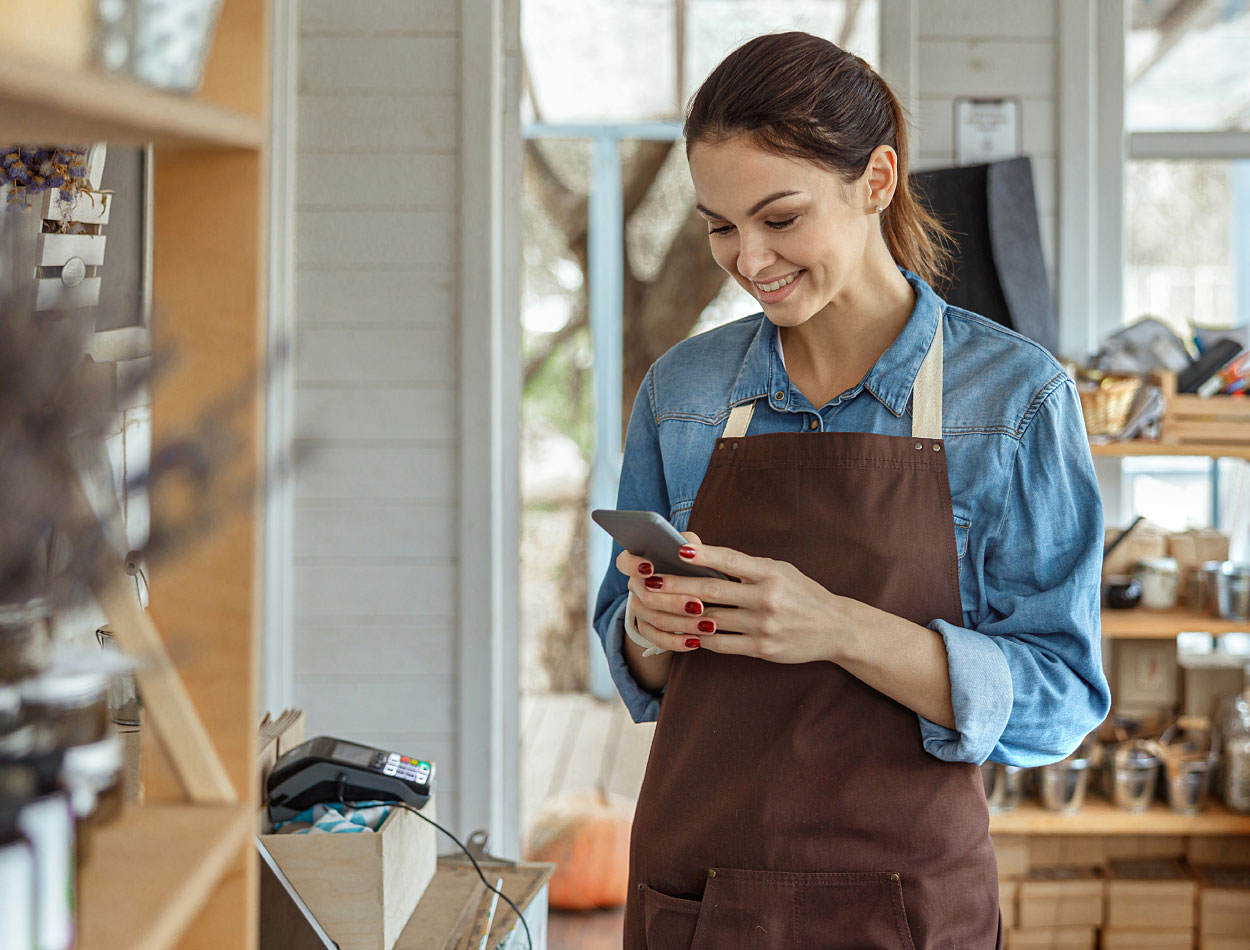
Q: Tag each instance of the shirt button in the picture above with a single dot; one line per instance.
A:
(814, 424)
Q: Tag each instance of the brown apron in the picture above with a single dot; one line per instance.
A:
(787, 807)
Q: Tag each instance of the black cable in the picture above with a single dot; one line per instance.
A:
(521, 917)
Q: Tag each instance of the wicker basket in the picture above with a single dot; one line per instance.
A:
(1106, 406)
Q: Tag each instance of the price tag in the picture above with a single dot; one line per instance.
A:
(986, 130)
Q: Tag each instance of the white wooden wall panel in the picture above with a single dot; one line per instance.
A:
(417, 63)
(361, 296)
(351, 124)
(349, 473)
(376, 357)
(373, 238)
(934, 126)
(421, 413)
(412, 180)
(365, 528)
(378, 644)
(390, 17)
(975, 67)
(987, 19)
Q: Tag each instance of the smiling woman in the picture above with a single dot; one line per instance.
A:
(904, 491)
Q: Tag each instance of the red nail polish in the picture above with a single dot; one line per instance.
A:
(655, 583)
(694, 607)
(692, 642)
(645, 568)
(686, 551)
(706, 626)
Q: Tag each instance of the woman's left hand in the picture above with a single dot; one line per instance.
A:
(776, 613)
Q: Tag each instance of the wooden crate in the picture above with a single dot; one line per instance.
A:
(1007, 895)
(1219, 851)
(1051, 938)
(1012, 854)
(1193, 420)
(1154, 895)
(1144, 847)
(1224, 903)
(1060, 897)
(1066, 851)
(1147, 939)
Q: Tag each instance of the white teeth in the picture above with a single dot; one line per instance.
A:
(778, 284)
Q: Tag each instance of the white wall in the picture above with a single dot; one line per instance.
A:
(377, 376)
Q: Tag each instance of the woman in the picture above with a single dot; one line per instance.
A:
(905, 492)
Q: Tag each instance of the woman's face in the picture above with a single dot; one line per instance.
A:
(815, 235)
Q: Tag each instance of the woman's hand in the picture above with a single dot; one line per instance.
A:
(668, 620)
(776, 613)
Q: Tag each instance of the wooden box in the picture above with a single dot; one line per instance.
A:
(1147, 939)
(1143, 847)
(1007, 894)
(1150, 895)
(1222, 943)
(1065, 851)
(1192, 420)
(1219, 850)
(1060, 897)
(1051, 938)
(362, 887)
(1012, 853)
(1224, 902)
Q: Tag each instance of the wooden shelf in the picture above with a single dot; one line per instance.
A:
(1099, 817)
(41, 104)
(150, 872)
(1143, 624)
(1149, 447)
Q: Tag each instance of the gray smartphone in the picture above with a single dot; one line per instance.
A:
(646, 534)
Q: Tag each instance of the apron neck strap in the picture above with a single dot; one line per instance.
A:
(926, 399)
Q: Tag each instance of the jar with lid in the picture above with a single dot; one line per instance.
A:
(25, 639)
(17, 861)
(70, 708)
(1234, 721)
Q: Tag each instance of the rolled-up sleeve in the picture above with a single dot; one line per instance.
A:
(1027, 684)
(642, 488)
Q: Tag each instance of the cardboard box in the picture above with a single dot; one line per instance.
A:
(1218, 850)
(1206, 677)
(1147, 939)
(1053, 938)
(1195, 547)
(1007, 894)
(1012, 853)
(1143, 847)
(362, 887)
(1060, 897)
(1224, 902)
(1154, 895)
(1147, 540)
(1065, 851)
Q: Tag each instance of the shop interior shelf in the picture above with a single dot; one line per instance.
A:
(150, 872)
(1100, 817)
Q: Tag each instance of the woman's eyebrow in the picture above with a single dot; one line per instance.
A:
(755, 208)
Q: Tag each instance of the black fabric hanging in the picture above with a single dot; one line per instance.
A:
(999, 270)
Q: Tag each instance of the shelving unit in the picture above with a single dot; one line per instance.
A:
(1100, 817)
(169, 873)
(1231, 450)
(1143, 624)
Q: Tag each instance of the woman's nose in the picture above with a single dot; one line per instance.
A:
(754, 257)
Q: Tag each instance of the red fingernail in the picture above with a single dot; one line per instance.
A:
(645, 568)
(694, 607)
(706, 626)
(692, 642)
(655, 583)
(686, 551)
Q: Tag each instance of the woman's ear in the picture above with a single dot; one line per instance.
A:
(880, 178)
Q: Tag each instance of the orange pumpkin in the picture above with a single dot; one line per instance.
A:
(586, 835)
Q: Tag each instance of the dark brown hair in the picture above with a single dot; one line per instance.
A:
(801, 96)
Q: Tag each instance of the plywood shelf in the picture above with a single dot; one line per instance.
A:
(150, 873)
(1143, 624)
(1100, 817)
(41, 104)
(1238, 450)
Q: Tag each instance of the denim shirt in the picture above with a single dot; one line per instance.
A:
(1026, 674)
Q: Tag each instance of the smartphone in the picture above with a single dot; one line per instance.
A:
(646, 534)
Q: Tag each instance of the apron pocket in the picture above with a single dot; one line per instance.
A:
(668, 922)
(785, 910)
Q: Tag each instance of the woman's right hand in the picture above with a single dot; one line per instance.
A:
(671, 621)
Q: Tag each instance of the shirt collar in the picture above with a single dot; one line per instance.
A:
(890, 380)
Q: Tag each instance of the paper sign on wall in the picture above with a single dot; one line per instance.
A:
(986, 130)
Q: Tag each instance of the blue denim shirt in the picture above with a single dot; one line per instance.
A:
(1026, 674)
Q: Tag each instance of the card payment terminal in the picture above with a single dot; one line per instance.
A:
(326, 769)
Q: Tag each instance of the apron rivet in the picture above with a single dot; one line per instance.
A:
(735, 445)
(893, 878)
(937, 448)
(919, 446)
(711, 872)
(720, 445)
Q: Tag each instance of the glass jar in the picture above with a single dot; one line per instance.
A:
(1235, 724)
(25, 639)
(69, 708)
(92, 776)
(123, 694)
(1004, 786)
(1135, 774)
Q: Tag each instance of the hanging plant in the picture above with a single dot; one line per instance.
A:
(31, 171)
